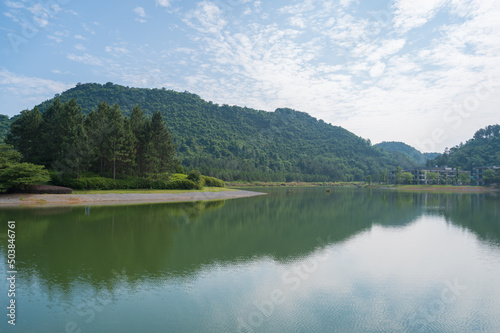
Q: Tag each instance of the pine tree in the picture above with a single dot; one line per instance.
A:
(25, 135)
(160, 150)
(140, 127)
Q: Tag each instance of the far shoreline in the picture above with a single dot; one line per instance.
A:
(129, 198)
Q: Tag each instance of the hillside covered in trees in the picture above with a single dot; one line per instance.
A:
(239, 143)
(402, 148)
(482, 150)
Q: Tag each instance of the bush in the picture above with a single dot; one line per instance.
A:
(195, 176)
(212, 181)
(175, 181)
(178, 176)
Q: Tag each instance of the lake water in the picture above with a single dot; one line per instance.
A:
(299, 260)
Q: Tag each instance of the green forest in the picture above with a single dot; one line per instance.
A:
(101, 150)
(483, 149)
(413, 154)
(239, 143)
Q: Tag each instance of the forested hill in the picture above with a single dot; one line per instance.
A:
(235, 143)
(412, 153)
(482, 150)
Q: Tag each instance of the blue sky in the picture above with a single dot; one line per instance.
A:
(423, 72)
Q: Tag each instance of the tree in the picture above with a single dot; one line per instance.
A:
(369, 179)
(433, 177)
(407, 178)
(464, 178)
(489, 176)
(399, 175)
(51, 136)
(13, 173)
(75, 153)
(383, 176)
(140, 127)
(25, 134)
(160, 150)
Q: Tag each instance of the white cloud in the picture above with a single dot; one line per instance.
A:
(206, 18)
(86, 59)
(14, 4)
(409, 14)
(30, 90)
(163, 3)
(80, 47)
(377, 69)
(140, 11)
(116, 50)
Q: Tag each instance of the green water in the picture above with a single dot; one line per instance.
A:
(291, 261)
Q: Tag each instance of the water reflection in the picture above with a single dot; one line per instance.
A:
(64, 244)
(378, 260)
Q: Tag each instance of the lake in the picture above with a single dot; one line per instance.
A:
(294, 260)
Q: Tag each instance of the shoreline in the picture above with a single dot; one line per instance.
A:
(100, 199)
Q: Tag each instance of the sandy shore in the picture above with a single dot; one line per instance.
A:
(16, 200)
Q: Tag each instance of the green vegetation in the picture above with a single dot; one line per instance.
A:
(402, 150)
(14, 174)
(102, 150)
(482, 150)
(5, 122)
(238, 143)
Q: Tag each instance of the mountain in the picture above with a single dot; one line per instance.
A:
(482, 150)
(412, 153)
(239, 143)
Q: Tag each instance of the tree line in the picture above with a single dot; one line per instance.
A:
(103, 142)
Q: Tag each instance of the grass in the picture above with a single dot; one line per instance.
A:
(146, 191)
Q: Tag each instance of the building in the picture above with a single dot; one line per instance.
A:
(477, 173)
(425, 176)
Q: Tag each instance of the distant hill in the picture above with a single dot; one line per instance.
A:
(413, 154)
(239, 143)
(482, 150)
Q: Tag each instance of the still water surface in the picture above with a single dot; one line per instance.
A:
(292, 261)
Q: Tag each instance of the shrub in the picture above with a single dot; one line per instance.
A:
(195, 176)
(212, 181)
(178, 176)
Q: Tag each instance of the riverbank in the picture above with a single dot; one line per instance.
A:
(121, 197)
(435, 188)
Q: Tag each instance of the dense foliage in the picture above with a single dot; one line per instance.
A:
(103, 142)
(5, 122)
(238, 143)
(413, 154)
(482, 150)
(14, 174)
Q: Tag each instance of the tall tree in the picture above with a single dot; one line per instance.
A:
(51, 135)
(160, 151)
(140, 127)
(25, 134)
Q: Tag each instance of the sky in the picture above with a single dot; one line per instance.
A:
(423, 72)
